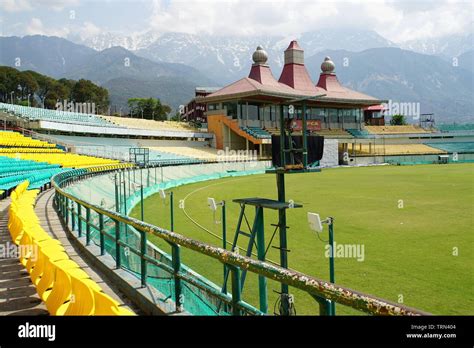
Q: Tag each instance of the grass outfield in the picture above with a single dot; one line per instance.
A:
(408, 251)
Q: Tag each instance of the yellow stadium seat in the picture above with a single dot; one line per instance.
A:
(57, 278)
(106, 305)
(58, 300)
(82, 298)
(39, 250)
(47, 280)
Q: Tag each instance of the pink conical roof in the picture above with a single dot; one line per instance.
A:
(294, 73)
(294, 46)
(263, 74)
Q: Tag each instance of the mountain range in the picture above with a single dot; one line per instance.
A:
(171, 65)
(116, 68)
(404, 76)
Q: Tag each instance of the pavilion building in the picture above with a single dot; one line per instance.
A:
(244, 114)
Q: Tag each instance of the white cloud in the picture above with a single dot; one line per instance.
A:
(397, 20)
(29, 5)
(57, 5)
(16, 5)
(89, 29)
(36, 27)
(440, 19)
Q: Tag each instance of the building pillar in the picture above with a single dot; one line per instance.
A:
(247, 114)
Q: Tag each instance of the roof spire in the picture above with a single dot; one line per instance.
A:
(294, 73)
(294, 54)
(260, 56)
(328, 66)
(260, 70)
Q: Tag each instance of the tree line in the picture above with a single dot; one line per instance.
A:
(148, 108)
(30, 88)
(37, 90)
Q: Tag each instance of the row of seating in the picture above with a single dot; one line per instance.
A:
(34, 114)
(29, 150)
(257, 132)
(333, 133)
(37, 178)
(461, 147)
(13, 171)
(184, 152)
(359, 133)
(389, 129)
(15, 139)
(60, 282)
(138, 123)
(394, 149)
(456, 127)
(66, 160)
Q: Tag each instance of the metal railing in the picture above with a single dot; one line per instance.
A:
(71, 208)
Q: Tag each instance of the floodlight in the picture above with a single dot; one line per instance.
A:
(315, 222)
(211, 202)
(162, 194)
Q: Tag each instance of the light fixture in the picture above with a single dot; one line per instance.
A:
(211, 202)
(162, 194)
(314, 222)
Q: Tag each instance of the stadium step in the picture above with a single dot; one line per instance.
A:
(50, 222)
(17, 293)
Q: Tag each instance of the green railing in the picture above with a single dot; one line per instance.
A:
(71, 209)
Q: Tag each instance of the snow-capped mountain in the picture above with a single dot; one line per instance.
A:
(172, 64)
(223, 58)
(107, 40)
(447, 46)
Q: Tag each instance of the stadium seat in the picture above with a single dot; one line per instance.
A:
(406, 129)
(58, 300)
(456, 128)
(38, 114)
(105, 305)
(257, 132)
(82, 299)
(60, 282)
(138, 123)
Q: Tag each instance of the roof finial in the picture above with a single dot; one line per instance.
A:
(327, 67)
(260, 56)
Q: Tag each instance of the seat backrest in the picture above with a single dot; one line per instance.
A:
(82, 298)
(104, 304)
(59, 298)
(47, 279)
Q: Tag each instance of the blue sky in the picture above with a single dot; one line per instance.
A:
(397, 20)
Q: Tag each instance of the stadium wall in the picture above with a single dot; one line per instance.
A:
(409, 159)
(330, 153)
(73, 128)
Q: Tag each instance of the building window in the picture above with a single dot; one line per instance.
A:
(231, 109)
